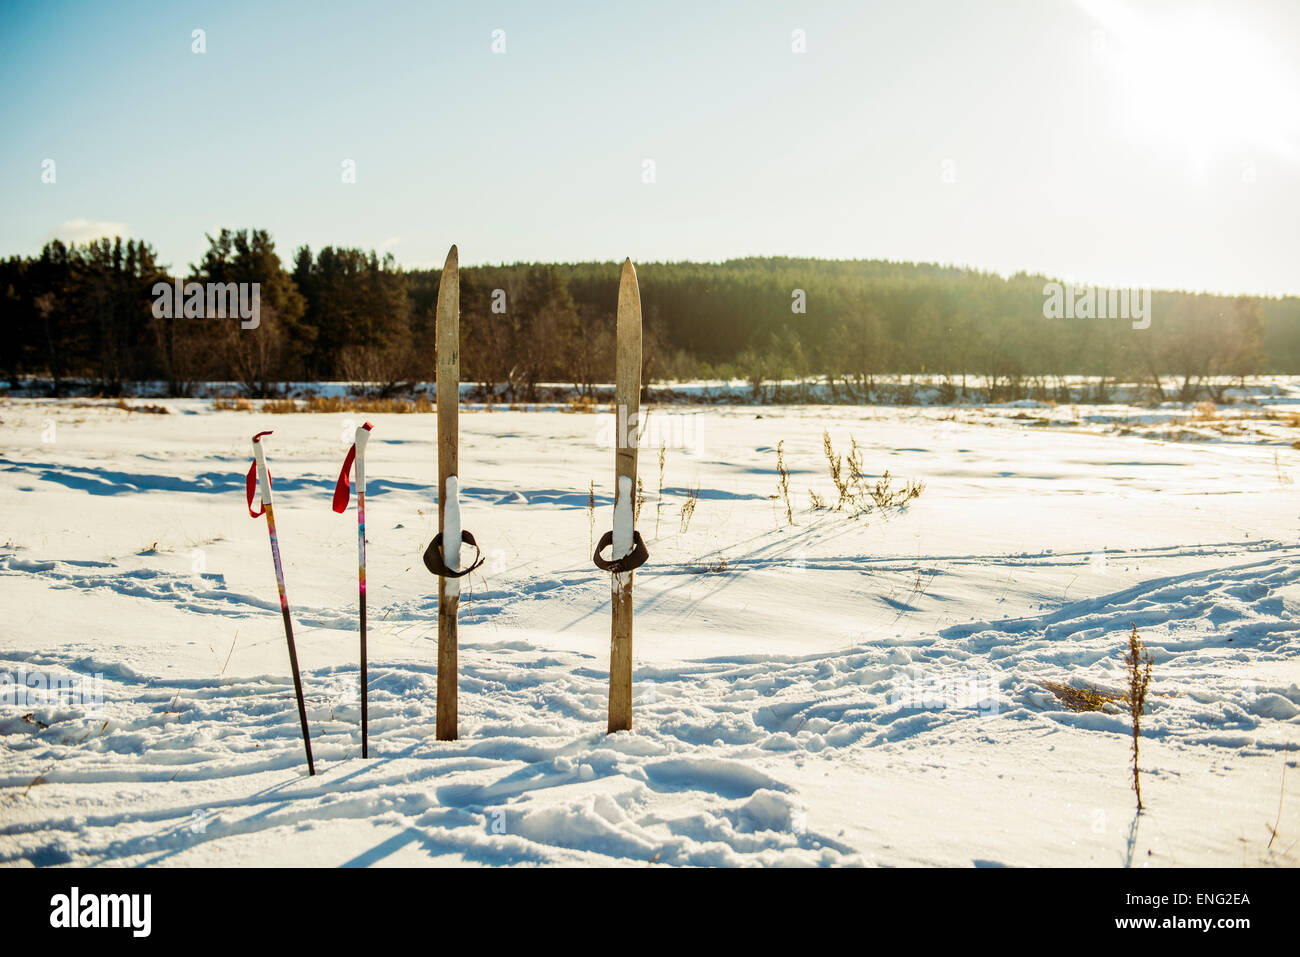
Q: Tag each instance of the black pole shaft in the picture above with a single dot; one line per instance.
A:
(297, 688)
(365, 709)
(288, 624)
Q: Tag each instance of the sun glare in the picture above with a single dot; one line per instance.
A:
(1200, 82)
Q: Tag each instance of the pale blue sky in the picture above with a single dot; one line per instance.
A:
(1143, 143)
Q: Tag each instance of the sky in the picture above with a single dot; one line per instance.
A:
(1150, 144)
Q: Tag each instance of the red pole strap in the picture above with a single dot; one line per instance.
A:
(250, 482)
(343, 488)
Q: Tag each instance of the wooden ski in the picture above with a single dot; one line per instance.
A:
(627, 399)
(448, 337)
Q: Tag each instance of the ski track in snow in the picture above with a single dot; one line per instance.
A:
(533, 760)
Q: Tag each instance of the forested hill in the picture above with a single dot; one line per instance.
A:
(88, 312)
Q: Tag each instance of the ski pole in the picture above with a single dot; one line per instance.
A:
(341, 496)
(259, 478)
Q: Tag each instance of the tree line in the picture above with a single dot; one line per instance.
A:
(87, 313)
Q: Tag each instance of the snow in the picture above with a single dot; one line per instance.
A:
(836, 692)
(623, 519)
(451, 533)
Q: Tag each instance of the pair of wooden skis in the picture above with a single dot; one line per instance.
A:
(628, 549)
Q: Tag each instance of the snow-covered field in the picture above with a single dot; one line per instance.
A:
(839, 691)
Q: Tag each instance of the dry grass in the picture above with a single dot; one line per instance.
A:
(710, 568)
(659, 498)
(1080, 699)
(836, 463)
(1272, 836)
(857, 490)
(784, 484)
(224, 403)
(688, 508)
(149, 409)
(585, 404)
(347, 403)
(886, 496)
(280, 406)
(1283, 477)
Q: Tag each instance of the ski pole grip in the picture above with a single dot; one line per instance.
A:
(263, 475)
(434, 561)
(357, 454)
(632, 560)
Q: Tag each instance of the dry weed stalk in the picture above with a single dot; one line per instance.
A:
(784, 484)
(856, 489)
(688, 507)
(659, 499)
(1139, 678)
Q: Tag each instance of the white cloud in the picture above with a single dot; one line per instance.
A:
(84, 230)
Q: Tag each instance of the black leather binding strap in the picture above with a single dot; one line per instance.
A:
(634, 559)
(433, 559)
